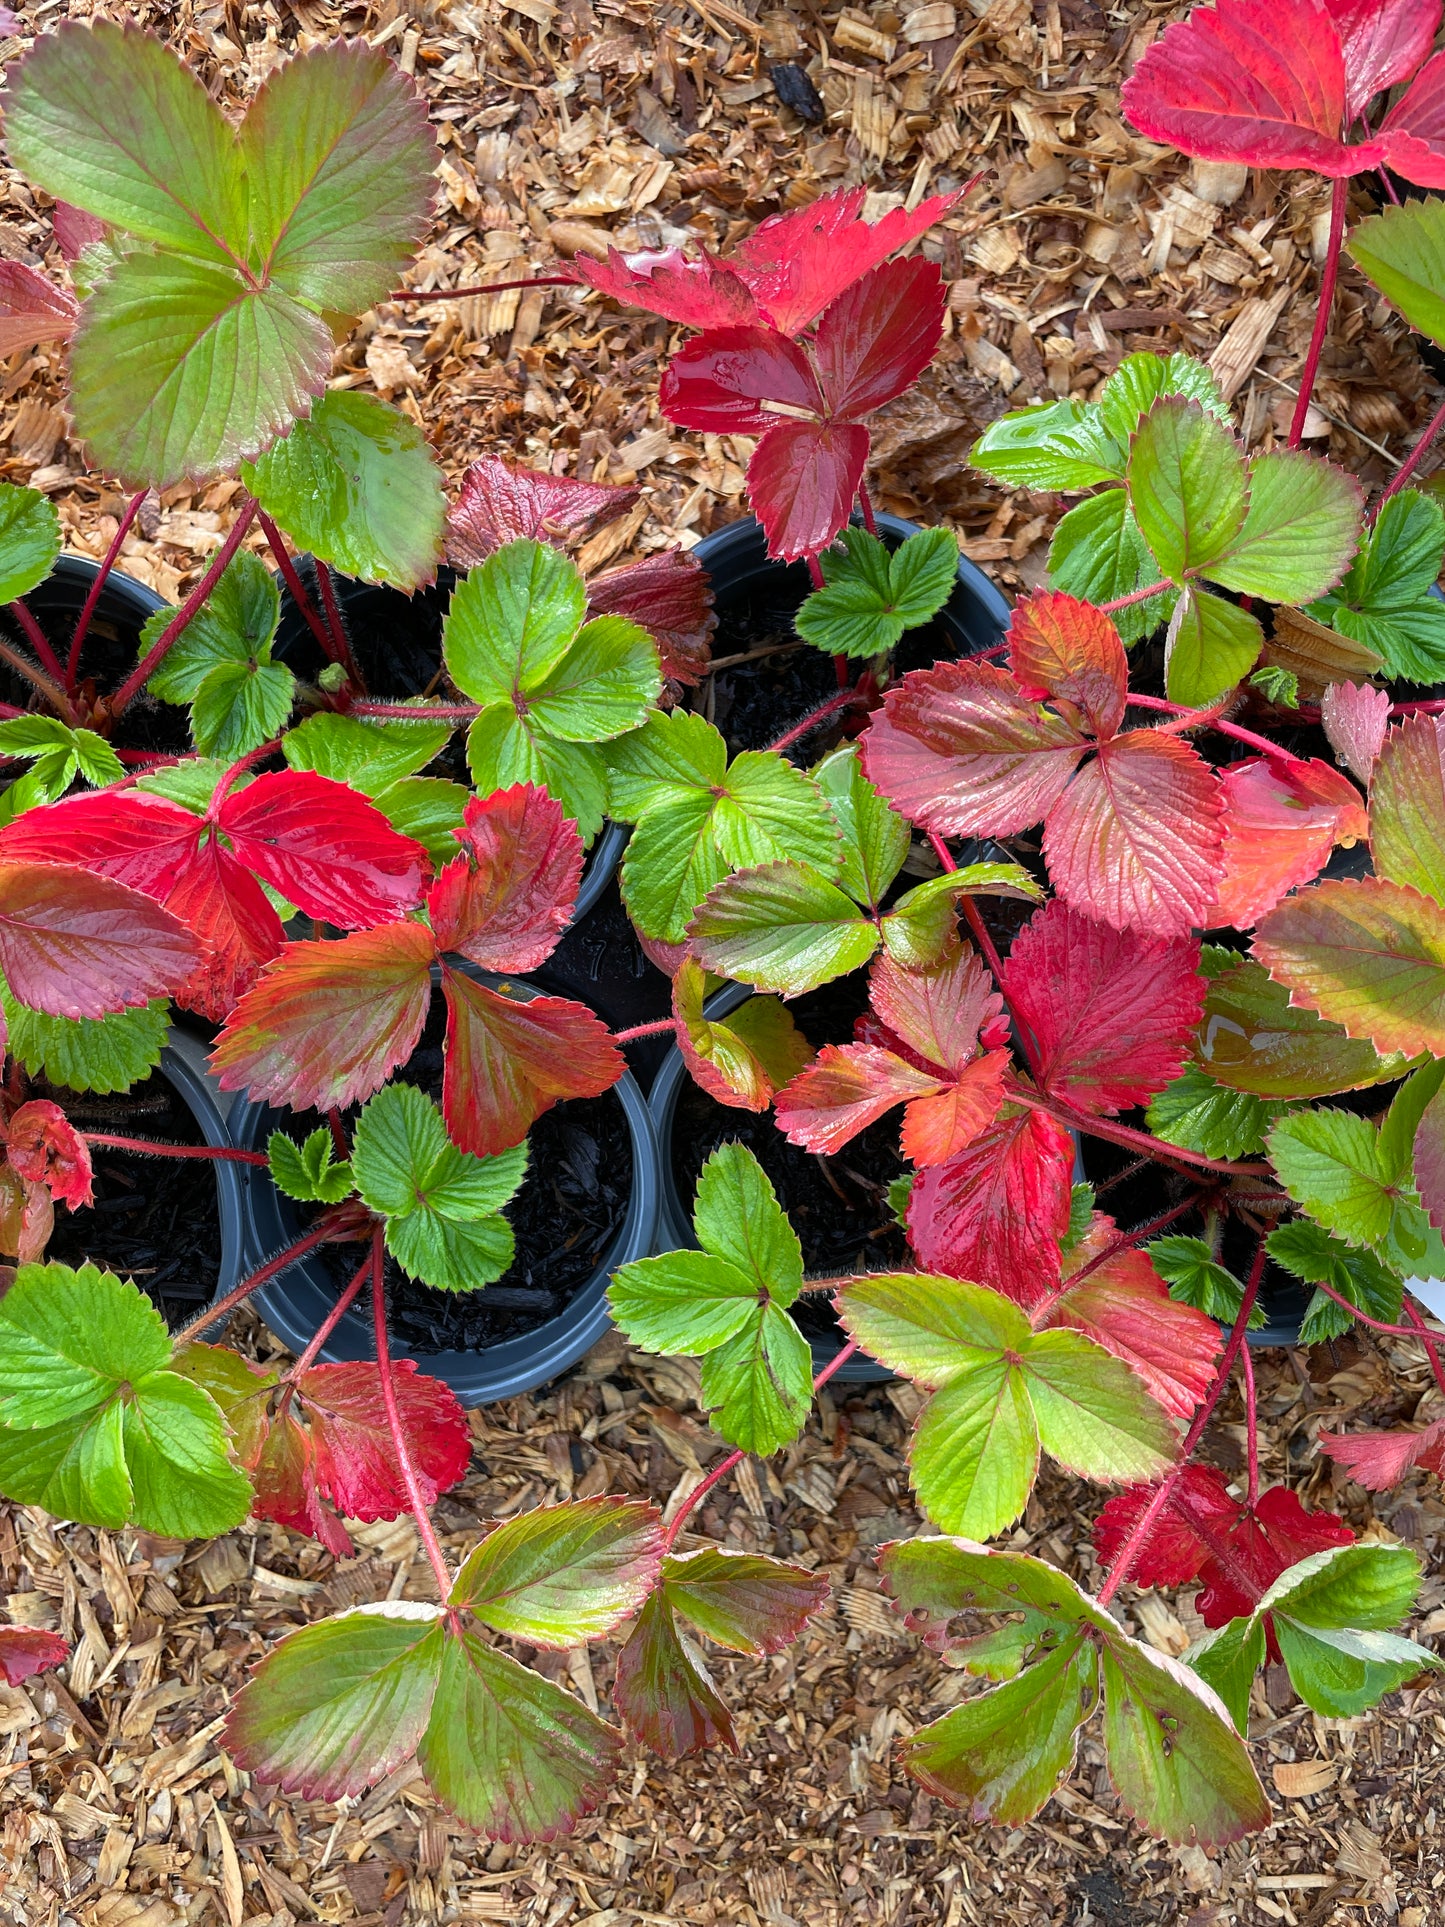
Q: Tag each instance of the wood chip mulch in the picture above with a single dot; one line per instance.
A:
(568, 123)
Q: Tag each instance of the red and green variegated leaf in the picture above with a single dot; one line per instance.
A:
(1368, 955)
(1124, 1305)
(507, 899)
(328, 1023)
(782, 927)
(1136, 838)
(670, 596)
(846, 1088)
(802, 482)
(509, 1753)
(1066, 650)
(341, 1703)
(26, 1650)
(1281, 822)
(1001, 1754)
(507, 1062)
(352, 1450)
(1355, 717)
(1380, 1460)
(1428, 1152)
(663, 1692)
(720, 382)
(45, 1148)
(1253, 1039)
(960, 749)
(938, 1012)
(32, 308)
(877, 338)
(936, 1129)
(997, 1212)
(325, 848)
(562, 1574)
(1110, 1014)
(743, 1600)
(742, 1059)
(1407, 807)
(77, 945)
(500, 503)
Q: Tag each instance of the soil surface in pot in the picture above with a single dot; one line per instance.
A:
(156, 1220)
(106, 659)
(839, 1205)
(565, 1216)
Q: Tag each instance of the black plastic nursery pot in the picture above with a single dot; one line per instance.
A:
(592, 1159)
(396, 640)
(174, 1225)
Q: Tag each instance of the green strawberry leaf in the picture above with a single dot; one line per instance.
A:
(1385, 601)
(1227, 1660)
(56, 754)
(1188, 486)
(307, 1171)
(781, 927)
(1195, 1277)
(221, 665)
(366, 756)
(1000, 1392)
(1277, 685)
(1212, 646)
(429, 809)
(357, 485)
(512, 620)
(1054, 445)
(869, 597)
(757, 1387)
(741, 1059)
(875, 837)
(1403, 252)
(96, 1426)
(442, 1206)
(1253, 1039)
(1356, 1180)
(1300, 531)
(102, 1054)
(1310, 1252)
(1141, 380)
(29, 539)
(1098, 553)
(562, 1574)
(1198, 1114)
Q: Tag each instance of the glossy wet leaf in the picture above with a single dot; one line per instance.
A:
(1253, 1039)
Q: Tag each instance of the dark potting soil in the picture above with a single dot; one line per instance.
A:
(564, 1217)
(156, 1220)
(837, 1205)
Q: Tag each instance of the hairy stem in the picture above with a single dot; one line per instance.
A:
(38, 680)
(102, 576)
(1132, 1140)
(263, 1275)
(182, 619)
(340, 650)
(1251, 1427)
(222, 1153)
(724, 1466)
(1211, 719)
(1136, 1540)
(393, 1419)
(276, 542)
(240, 766)
(1135, 595)
(663, 1025)
(844, 697)
(865, 502)
(1430, 1352)
(1111, 1250)
(1412, 461)
(420, 712)
(333, 1318)
(35, 636)
(1339, 195)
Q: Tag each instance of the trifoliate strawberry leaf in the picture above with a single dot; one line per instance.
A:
(357, 485)
(728, 1304)
(1198, 1114)
(870, 597)
(1195, 1277)
(562, 1574)
(743, 1059)
(1385, 601)
(1173, 1754)
(56, 754)
(101, 1054)
(307, 1171)
(29, 540)
(96, 1426)
(221, 665)
(366, 755)
(1313, 1255)
(1000, 1392)
(442, 1206)
(698, 817)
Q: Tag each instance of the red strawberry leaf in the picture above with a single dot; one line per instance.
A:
(936, 1129)
(45, 1148)
(26, 1650)
(937, 1013)
(670, 596)
(802, 480)
(1068, 651)
(506, 900)
(324, 848)
(33, 308)
(499, 503)
(847, 1088)
(327, 1023)
(663, 1692)
(353, 1455)
(508, 1061)
(1412, 134)
(1125, 1306)
(742, 1059)
(74, 230)
(720, 382)
(877, 338)
(1379, 1460)
(229, 913)
(1356, 717)
(996, 1213)
(1281, 822)
(704, 293)
(1110, 1013)
(76, 945)
(1384, 41)
(1173, 1554)
(1266, 1542)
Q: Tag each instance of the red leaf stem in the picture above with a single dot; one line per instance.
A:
(1339, 194)
(1151, 1147)
(35, 636)
(1421, 1332)
(340, 649)
(1041, 1310)
(815, 571)
(263, 1275)
(332, 1320)
(1251, 1428)
(102, 575)
(1412, 461)
(393, 1419)
(223, 1152)
(276, 542)
(38, 680)
(865, 502)
(840, 701)
(1138, 1538)
(491, 287)
(181, 620)
(644, 1030)
(422, 712)
(239, 768)
(1209, 718)
(1135, 595)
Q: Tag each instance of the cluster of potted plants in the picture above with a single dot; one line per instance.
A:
(898, 897)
